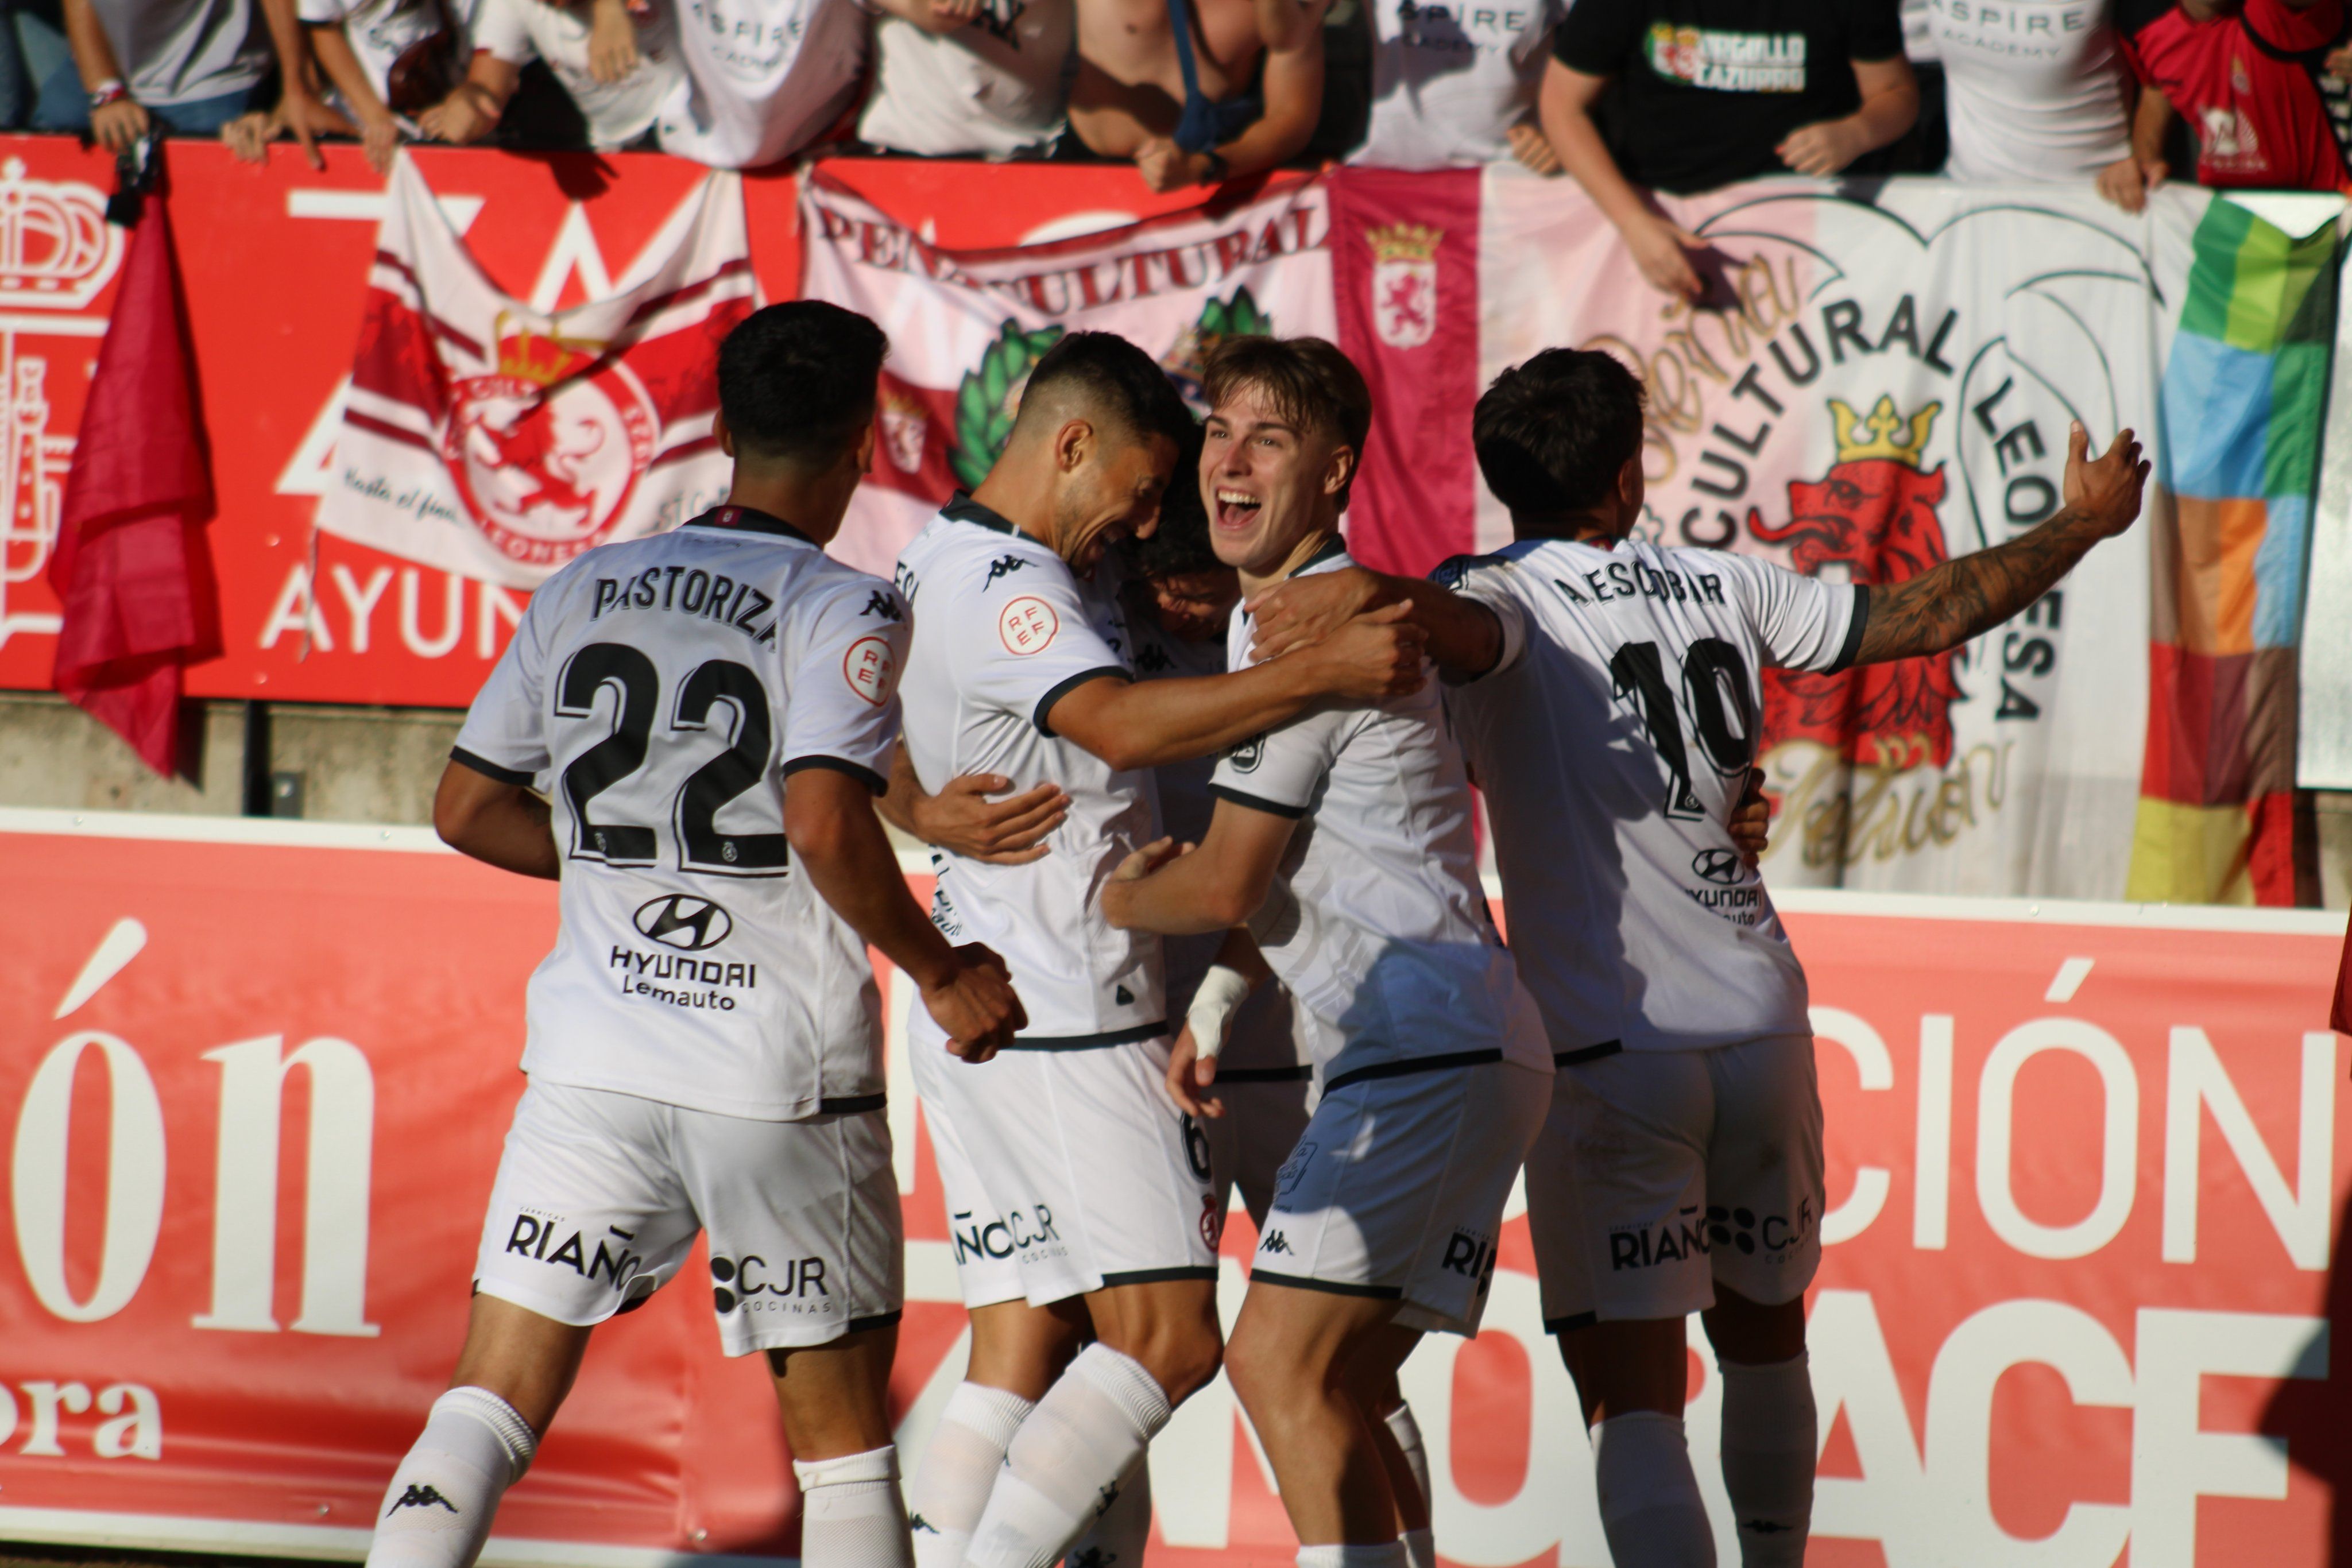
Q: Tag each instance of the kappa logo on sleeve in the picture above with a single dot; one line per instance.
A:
(1246, 757)
(1028, 625)
(871, 668)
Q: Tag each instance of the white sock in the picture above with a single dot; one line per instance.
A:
(1771, 1441)
(1120, 1533)
(1387, 1554)
(1420, 1548)
(1063, 1464)
(437, 1514)
(1650, 1506)
(1407, 1433)
(950, 1488)
(851, 1513)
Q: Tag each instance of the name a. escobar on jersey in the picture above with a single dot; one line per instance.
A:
(660, 692)
(1002, 630)
(1611, 739)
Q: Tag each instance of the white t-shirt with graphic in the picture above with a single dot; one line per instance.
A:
(660, 692)
(763, 78)
(1003, 631)
(1450, 79)
(1612, 739)
(2033, 89)
(1376, 923)
(994, 88)
(521, 31)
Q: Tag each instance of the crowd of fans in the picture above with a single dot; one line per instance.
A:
(1625, 96)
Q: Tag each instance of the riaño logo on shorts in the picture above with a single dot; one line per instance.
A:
(684, 921)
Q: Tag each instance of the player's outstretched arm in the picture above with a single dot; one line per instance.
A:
(839, 843)
(1465, 639)
(962, 819)
(1178, 890)
(1143, 724)
(1967, 596)
(498, 823)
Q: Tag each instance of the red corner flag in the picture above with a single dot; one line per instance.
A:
(138, 484)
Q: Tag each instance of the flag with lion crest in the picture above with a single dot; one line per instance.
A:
(966, 326)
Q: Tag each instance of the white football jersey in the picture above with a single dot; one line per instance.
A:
(659, 692)
(1376, 921)
(1612, 739)
(1002, 630)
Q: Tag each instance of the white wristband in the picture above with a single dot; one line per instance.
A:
(1211, 1017)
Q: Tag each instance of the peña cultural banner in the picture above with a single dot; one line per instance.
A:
(965, 326)
(2079, 1288)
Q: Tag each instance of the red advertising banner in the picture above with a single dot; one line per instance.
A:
(274, 263)
(2078, 1296)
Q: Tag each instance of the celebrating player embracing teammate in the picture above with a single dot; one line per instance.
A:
(710, 713)
(1611, 712)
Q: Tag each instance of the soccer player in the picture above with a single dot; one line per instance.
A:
(710, 713)
(1343, 840)
(1076, 1208)
(1613, 710)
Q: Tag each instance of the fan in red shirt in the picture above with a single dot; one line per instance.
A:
(2256, 87)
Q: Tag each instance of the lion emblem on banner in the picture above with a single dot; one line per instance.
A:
(546, 452)
(1875, 513)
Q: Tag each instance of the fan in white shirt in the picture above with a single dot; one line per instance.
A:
(968, 78)
(763, 78)
(1073, 1196)
(2035, 89)
(1611, 717)
(1343, 840)
(1454, 83)
(708, 712)
(620, 70)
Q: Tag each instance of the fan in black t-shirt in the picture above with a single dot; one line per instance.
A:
(1717, 90)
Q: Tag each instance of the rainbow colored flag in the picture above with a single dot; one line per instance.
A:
(2243, 392)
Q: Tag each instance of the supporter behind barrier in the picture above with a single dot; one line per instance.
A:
(137, 67)
(2248, 79)
(1196, 91)
(1454, 83)
(1798, 85)
(968, 78)
(619, 68)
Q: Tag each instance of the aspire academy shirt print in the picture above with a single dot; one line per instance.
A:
(1449, 77)
(1003, 630)
(660, 692)
(1611, 739)
(1376, 923)
(1710, 88)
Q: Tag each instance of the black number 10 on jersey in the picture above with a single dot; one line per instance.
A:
(694, 813)
(1714, 689)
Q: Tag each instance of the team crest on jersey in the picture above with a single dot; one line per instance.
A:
(1028, 625)
(1873, 514)
(1404, 282)
(546, 452)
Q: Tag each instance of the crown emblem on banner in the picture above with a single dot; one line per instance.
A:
(527, 354)
(1884, 433)
(56, 251)
(1403, 242)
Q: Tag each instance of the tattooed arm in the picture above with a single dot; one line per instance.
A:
(1967, 597)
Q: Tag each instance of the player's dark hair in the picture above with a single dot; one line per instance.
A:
(796, 380)
(1114, 380)
(1309, 381)
(1552, 434)
(1180, 546)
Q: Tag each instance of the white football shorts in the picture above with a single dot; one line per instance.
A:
(1065, 1170)
(1661, 1171)
(600, 1196)
(1396, 1190)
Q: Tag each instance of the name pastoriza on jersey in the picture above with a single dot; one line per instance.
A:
(660, 692)
(1611, 739)
(1002, 630)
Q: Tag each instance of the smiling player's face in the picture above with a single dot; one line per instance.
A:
(1112, 495)
(1267, 484)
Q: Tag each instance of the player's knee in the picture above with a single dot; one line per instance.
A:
(1755, 1332)
(1180, 1355)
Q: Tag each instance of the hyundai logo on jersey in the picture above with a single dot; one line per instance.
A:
(685, 922)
